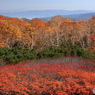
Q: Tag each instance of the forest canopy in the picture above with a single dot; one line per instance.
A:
(39, 34)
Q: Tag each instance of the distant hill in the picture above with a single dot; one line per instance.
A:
(80, 16)
(73, 16)
(41, 13)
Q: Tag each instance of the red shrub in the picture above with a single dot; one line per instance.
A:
(48, 79)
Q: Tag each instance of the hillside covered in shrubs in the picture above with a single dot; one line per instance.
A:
(76, 77)
(47, 58)
(17, 54)
(23, 39)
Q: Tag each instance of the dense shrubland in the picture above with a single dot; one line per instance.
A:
(23, 40)
(17, 54)
(69, 78)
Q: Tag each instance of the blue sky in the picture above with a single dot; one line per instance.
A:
(47, 4)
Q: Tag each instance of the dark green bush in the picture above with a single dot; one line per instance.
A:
(52, 52)
(4, 51)
(87, 54)
(73, 50)
(66, 52)
(17, 49)
(17, 54)
(80, 51)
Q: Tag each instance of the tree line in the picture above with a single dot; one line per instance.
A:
(40, 34)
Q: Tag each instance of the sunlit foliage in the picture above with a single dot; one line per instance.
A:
(71, 78)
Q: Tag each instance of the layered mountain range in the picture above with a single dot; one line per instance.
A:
(48, 14)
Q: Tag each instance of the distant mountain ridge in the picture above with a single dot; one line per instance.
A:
(41, 13)
(73, 16)
(80, 16)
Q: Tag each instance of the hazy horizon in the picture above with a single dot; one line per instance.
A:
(47, 5)
(45, 8)
(41, 10)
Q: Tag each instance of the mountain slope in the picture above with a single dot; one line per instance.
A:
(41, 13)
(73, 16)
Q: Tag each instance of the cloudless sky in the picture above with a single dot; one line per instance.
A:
(47, 4)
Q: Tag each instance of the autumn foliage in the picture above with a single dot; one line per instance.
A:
(71, 78)
(20, 38)
(40, 34)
